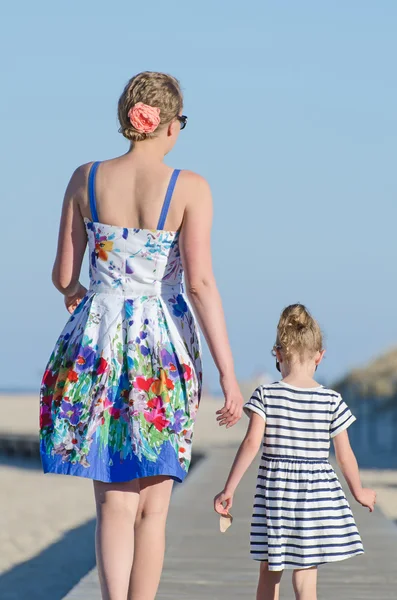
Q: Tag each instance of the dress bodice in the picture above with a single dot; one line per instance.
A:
(133, 262)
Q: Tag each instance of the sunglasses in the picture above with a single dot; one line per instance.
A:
(182, 120)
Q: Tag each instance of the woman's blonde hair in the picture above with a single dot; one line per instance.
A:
(298, 334)
(155, 89)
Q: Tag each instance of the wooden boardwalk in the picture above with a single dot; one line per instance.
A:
(203, 563)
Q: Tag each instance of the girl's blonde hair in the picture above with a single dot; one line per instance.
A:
(298, 334)
(155, 89)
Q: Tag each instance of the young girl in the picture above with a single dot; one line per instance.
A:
(301, 517)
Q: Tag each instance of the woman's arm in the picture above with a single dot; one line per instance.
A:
(72, 241)
(203, 292)
(245, 455)
(348, 465)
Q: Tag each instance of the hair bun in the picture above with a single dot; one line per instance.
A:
(298, 317)
(149, 101)
(297, 332)
(132, 134)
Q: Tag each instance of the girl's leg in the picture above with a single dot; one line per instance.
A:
(116, 505)
(305, 583)
(155, 494)
(269, 583)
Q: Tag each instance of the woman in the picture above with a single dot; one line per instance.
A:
(120, 393)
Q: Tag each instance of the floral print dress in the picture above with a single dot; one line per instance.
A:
(122, 387)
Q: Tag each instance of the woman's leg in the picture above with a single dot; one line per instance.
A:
(269, 583)
(305, 583)
(155, 494)
(117, 505)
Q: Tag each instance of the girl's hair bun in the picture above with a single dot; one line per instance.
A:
(298, 332)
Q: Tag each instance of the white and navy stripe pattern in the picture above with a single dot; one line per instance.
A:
(301, 516)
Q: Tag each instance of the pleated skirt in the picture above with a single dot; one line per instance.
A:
(301, 516)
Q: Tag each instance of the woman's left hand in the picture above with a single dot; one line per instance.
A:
(73, 300)
(232, 410)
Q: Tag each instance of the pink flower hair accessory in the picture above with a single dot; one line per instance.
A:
(144, 118)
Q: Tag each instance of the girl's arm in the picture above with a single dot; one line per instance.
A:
(348, 465)
(245, 455)
(72, 241)
(203, 292)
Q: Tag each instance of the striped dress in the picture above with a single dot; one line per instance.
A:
(301, 517)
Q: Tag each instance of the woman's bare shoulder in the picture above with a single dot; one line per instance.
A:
(194, 185)
(82, 172)
(192, 178)
(196, 194)
(78, 182)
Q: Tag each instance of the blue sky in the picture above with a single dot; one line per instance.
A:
(292, 119)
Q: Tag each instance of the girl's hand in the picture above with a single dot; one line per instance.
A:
(367, 498)
(73, 300)
(232, 410)
(223, 502)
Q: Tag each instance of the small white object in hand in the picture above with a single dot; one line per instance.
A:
(225, 522)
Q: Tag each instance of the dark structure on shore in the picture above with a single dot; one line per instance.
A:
(371, 393)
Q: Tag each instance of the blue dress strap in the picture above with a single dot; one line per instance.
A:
(167, 199)
(91, 192)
